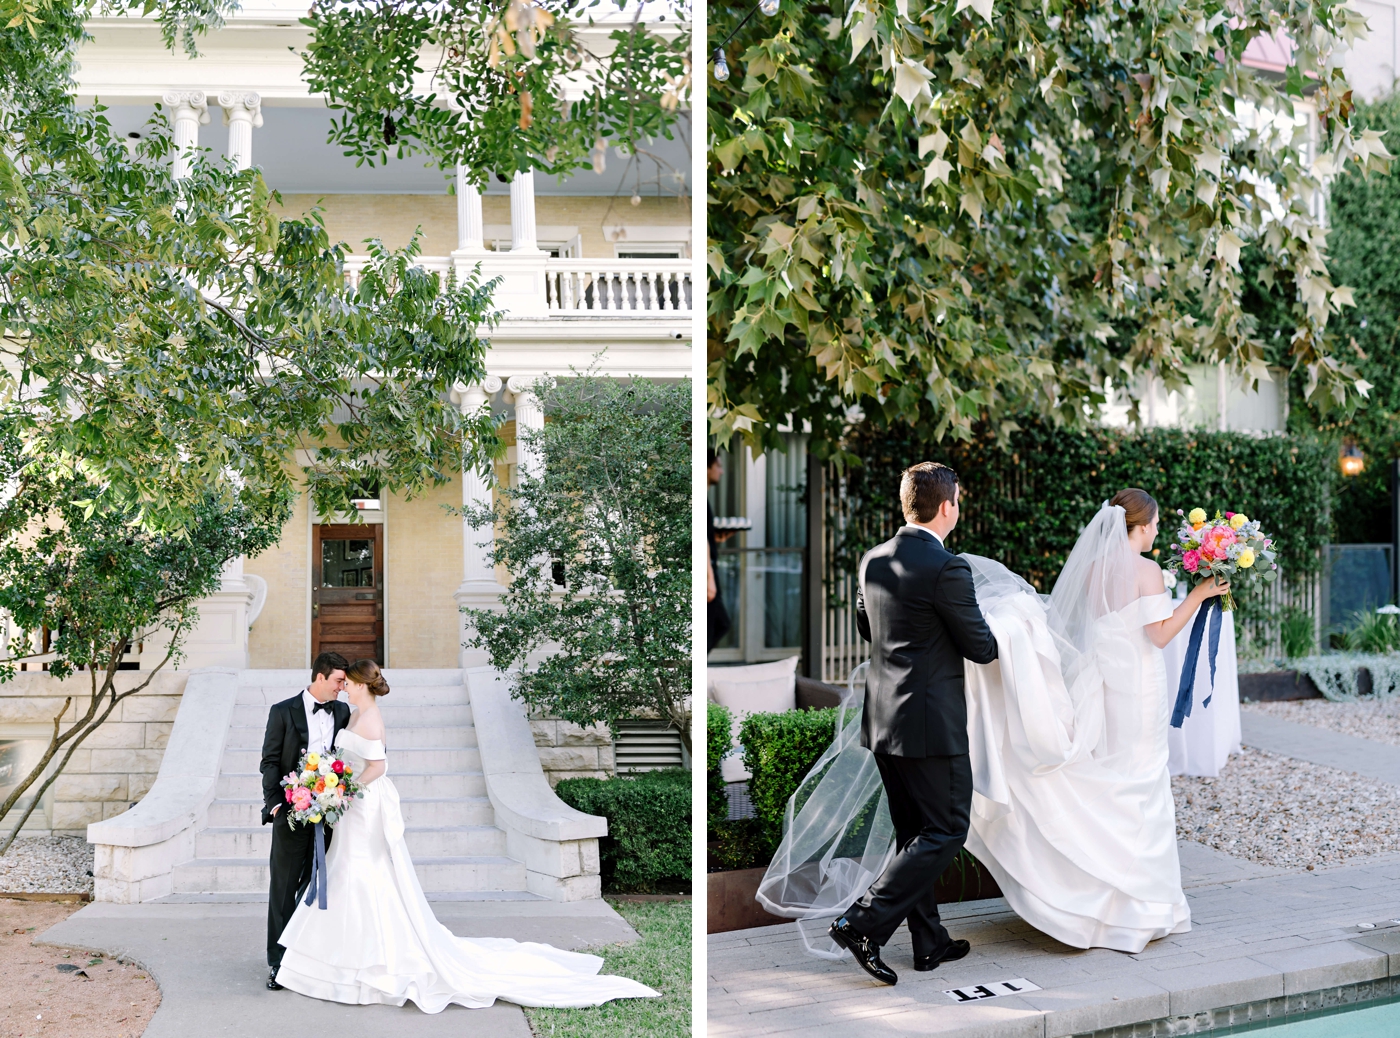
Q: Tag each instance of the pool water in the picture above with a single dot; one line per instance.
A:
(1374, 1021)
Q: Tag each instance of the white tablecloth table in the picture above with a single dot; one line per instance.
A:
(1204, 742)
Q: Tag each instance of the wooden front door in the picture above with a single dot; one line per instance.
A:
(347, 601)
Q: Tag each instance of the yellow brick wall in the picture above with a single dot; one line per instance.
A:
(392, 218)
(281, 635)
(423, 568)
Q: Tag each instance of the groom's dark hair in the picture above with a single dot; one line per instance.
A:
(327, 662)
(923, 489)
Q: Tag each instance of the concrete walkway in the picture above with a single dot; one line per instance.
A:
(210, 963)
(1377, 760)
(1257, 934)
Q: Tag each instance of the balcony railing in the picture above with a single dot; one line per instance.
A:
(636, 288)
(592, 288)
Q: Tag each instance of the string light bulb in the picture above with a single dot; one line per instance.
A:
(721, 66)
(768, 7)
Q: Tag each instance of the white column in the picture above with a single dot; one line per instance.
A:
(476, 492)
(189, 109)
(529, 417)
(242, 113)
(470, 227)
(522, 212)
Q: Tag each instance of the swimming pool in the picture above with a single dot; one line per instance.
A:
(1381, 1020)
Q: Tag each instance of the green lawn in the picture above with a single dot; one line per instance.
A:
(661, 960)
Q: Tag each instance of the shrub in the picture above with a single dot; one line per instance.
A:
(779, 750)
(1296, 633)
(718, 741)
(648, 841)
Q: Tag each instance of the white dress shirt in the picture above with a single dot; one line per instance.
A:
(320, 724)
(925, 529)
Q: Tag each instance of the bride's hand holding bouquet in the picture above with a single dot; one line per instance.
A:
(1229, 550)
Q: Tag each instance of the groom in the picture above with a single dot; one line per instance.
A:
(917, 608)
(310, 720)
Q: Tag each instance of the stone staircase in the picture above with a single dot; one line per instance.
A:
(450, 826)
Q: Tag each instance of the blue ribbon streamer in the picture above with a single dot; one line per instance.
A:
(1212, 611)
(316, 891)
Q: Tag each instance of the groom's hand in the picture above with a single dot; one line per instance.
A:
(275, 810)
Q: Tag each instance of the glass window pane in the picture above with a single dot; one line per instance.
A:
(347, 563)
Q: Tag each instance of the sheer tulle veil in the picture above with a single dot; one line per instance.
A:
(837, 831)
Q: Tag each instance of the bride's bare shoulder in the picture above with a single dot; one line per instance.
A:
(371, 726)
(1149, 577)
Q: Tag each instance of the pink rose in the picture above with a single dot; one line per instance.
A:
(301, 798)
(1192, 561)
(338, 767)
(289, 796)
(1229, 515)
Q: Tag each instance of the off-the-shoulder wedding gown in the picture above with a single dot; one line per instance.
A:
(378, 941)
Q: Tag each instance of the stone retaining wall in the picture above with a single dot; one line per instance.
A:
(569, 751)
(112, 769)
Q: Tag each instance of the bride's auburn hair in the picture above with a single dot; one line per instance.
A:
(367, 673)
(1138, 509)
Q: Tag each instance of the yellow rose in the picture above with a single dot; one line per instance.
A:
(1246, 559)
(314, 819)
(1197, 516)
(1238, 519)
(313, 761)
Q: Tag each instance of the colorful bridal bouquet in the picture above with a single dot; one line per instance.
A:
(321, 789)
(1230, 547)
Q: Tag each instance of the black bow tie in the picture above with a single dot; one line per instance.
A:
(321, 706)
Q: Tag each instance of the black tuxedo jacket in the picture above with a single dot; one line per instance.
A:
(284, 744)
(917, 608)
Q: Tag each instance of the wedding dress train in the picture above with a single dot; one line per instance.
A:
(379, 942)
(1072, 810)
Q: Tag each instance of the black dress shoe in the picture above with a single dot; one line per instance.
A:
(956, 950)
(866, 951)
(272, 984)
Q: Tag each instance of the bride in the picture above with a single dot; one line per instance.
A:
(378, 941)
(1072, 808)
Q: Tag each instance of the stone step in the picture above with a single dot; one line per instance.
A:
(423, 842)
(247, 786)
(420, 716)
(417, 811)
(460, 873)
(413, 695)
(250, 737)
(440, 760)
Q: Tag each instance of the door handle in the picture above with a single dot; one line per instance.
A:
(315, 610)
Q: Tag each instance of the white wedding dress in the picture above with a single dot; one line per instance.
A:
(1072, 809)
(378, 941)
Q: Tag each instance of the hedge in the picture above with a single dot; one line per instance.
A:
(649, 832)
(779, 750)
(1025, 501)
(718, 727)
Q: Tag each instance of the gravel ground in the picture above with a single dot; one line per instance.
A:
(1377, 720)
(110, 1000)
(1288, 813)
(47, 864)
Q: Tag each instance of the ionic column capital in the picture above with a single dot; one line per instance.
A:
(519, 384)
(241, 104)
(192, 101)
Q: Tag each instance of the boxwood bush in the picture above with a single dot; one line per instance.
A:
(718, 725)
(779, 750)
(648, 841)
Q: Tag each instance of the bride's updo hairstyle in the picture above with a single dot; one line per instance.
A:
(1138, 506)
(367, 673)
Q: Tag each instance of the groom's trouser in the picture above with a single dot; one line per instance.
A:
(929, 799)
(291, 861)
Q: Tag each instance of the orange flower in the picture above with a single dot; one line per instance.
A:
(320, 785)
